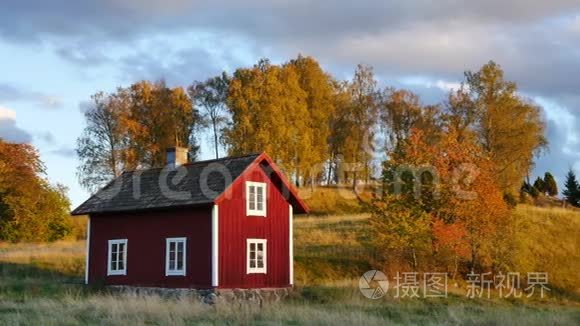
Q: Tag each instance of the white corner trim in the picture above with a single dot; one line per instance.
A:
(256, 211)
(175, 272)
(87, 250)
(215, 245)
(291, 242)
(109, 269)
(257, 270)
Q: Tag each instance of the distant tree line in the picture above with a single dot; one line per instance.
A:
(548, 186)
(321, 130)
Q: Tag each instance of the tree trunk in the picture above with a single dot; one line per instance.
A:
(473, 256)
(113, 158)
(329, 169)
(297, 180)
(456, 267)
(215, 139)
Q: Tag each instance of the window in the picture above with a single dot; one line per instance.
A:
(175, 256)
(256, 255)
(117, 262)
(255, 198)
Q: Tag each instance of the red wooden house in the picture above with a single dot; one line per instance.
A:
(224, 223)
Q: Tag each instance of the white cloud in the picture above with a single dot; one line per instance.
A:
(443, 85)
(562, 132)
(566, 122)
(9, 131)
(7, 114)
(52, 101)
(423, 48)
(575, 24)
(9, 92)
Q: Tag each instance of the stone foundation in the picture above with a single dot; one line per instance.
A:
(209, 296)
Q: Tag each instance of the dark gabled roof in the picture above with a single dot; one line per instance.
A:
(163, 187)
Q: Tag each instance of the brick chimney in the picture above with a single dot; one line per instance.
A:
(176, 156)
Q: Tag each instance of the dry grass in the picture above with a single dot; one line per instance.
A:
(29, 252)
(329, 230)
(548, 240)
(347, 309)
(65, 257)
(336, 200)
(330, 248)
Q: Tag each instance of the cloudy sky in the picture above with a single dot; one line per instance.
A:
(55, 54)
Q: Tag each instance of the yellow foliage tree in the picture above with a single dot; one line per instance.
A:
(131, 129)
(270, 113)
(508, 127)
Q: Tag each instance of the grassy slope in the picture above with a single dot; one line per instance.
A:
(549, 240)
(37, 284)
(333, 247)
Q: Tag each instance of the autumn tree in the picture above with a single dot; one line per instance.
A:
(452, 182)
(460, 113)
(285, 110)
(269, 112)
(508, 127)
(211, 95)
(450, 244)
(158, 117)
(340, 126)
(31, 209)
(401, 111)
(401, 231)
(131, 129)
(319, 89)
(355, 125)
(572, 189)
(100, 146)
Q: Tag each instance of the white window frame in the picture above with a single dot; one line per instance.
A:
(110, 270)
(257, 270)
(175, 272)
(256, 211)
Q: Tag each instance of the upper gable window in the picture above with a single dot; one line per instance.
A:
(255, 198)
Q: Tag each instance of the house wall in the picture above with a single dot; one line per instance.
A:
(235, 227)
(146, 233)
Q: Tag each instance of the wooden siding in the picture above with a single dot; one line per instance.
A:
(146, 233)
(235, 227)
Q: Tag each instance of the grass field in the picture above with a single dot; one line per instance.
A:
(40, 284)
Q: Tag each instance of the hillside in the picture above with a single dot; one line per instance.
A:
(40, 283)
(334, 200)
(333, 247)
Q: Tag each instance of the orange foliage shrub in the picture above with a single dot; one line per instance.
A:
(453, 183)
